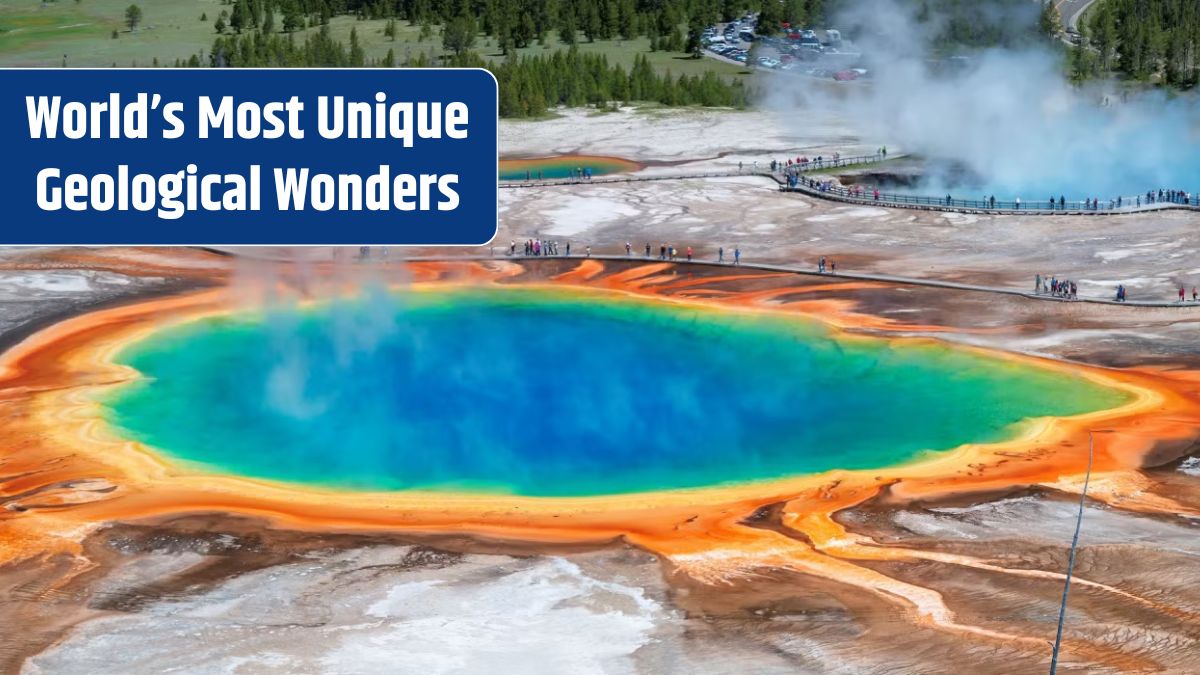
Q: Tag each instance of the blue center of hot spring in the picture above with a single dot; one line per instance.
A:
(555, 393)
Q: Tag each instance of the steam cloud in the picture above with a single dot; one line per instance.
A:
(355, 331)
(1008, 117)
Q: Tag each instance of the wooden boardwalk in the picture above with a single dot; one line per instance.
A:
(811, 271)
(896, 201)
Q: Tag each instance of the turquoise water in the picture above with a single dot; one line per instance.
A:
(545, 392)
(565, 166)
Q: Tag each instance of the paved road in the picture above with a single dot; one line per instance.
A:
(1071, 10)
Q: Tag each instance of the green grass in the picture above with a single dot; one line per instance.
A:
(19, 29)
(408, 44)
(33, 34)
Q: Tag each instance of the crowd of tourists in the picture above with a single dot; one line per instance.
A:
(793, 170)
(1058, 288)
(1171, 196)
(1069, 290)
(583, 173)
(541, 247)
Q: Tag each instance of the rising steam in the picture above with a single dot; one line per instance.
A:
(1004, 121)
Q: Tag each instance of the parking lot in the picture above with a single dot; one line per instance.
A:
(816, 53)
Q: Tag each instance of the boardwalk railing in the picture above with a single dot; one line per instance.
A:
(797, 182)
(792, 178)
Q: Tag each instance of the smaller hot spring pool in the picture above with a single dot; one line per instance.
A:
(564, 166)
(562, 393)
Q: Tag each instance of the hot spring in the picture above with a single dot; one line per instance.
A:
(552, 392)
(563, 166)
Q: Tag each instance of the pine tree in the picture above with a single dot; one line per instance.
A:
(292, 19)
(237, 17)
(769, 17)
(1050, 20)
(133, 16)
(695, 45)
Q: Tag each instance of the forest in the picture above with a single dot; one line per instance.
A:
(1147, 40)
(529, 85)
(1143, 39)
(263, 33)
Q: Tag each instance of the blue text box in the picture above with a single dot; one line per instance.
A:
(412, 159)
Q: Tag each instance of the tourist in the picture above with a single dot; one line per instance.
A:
(689, 253)
(737, 256)
(662, 252)
(1182, 297)
(1194, 296)
(1037, 284)
(568, 249)
(833, 267)
(721, 254)
(647, 249)
(588, 250)
(628, 249)
(821, 265)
